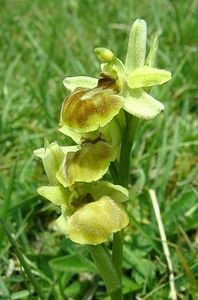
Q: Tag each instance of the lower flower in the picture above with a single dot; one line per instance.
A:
(91, 212)
(94, 222)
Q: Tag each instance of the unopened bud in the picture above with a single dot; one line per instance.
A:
(105, 54)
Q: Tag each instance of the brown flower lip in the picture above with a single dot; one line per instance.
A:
(87, 109)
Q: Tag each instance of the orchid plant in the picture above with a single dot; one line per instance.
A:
(101, 116)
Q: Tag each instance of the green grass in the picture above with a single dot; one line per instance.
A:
(42, 43)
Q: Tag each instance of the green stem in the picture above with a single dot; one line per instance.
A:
(107, 271)
(117, 252)
(111, 270)
(125, 153)
(123, 179)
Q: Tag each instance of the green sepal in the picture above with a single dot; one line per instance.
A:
(56, 194)
(137, 46)
(142, 105)
(52, 157)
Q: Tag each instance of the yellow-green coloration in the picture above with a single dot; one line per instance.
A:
(116, 192)
(93, 115)
(88, 164)
(132, 80)
(88, 109)
(80, 137)
(105, 54)
(147, 76)
(94, 222)
(52, 157)
(56, 194)
(71, 83)
(142, 105)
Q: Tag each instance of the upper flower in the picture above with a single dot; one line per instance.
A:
(93, 103)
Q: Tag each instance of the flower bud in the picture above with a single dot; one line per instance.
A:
(105, 54)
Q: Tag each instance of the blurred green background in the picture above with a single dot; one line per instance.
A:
(42, 42)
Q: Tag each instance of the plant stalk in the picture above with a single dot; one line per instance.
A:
(107, 271)
(123, 179)
(111, 269)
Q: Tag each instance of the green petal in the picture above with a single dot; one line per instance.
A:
(147, 76)
(137, 46)
(87, 109)
(77, 136)
(94, 222)
(52, 157)
(104, 188)
(88, 164)
(55, 194)
(71, 83)
(142, 105)
(151, 57)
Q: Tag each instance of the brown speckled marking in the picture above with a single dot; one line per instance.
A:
(78, 203)
(76, 111)
(108, 83)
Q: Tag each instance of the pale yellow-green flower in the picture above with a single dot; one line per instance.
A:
(132, 79)
(73, 173)
(91, 212)
(88, 114)
(88, 164)
(67, 165)
(94, 222)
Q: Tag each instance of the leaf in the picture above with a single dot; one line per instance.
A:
(143, 269)
(73, 290)
(73, 263)
(184, 210)
(20, 295)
